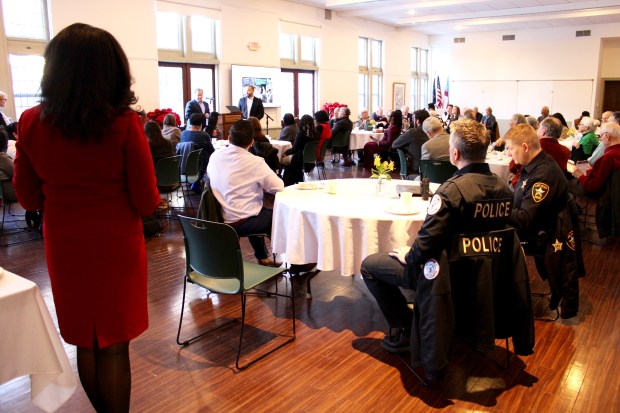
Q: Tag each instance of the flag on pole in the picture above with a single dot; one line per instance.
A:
(434, 93)
(438, 99)
(447, 93)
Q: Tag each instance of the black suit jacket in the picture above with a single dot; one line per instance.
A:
(257, 110)
(193, 107)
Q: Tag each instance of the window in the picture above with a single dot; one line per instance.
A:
(27, 33)
(419, 78)
(177, 82)
(297, 88)
(370, 78)
(298, 51)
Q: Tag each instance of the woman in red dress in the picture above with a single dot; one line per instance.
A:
(83, 158)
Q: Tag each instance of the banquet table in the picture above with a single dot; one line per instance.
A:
(498, 163)
(29, 344)
(359, 138)
(337, 231)
(281, 146)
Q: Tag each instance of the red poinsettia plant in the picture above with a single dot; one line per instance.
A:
(329, 107)
(158, 116)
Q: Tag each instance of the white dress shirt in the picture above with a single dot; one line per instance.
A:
(238, 179)
(248, 104)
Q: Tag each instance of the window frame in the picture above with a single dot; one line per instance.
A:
(296, 73)
(370, 72)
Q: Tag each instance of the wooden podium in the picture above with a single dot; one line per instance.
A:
(226, 120)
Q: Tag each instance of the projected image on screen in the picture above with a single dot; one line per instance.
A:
(263, 87)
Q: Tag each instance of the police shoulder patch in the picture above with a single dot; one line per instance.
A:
(431, 269)
(435, 205)
(540, 190)
(570, 240)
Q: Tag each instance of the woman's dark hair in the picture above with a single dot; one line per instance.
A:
(288, 119)
(212, 122)
(153, 132)
(321, 116)
(170, 120)
(397, 118)
(560, 118)
(4, 140)
(258, 129)
(86, 82)
(306, 124)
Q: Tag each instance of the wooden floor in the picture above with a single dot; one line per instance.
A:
(336, 363)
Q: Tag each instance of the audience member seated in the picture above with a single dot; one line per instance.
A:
(170, 130)
(11, 130)
(477, 115)
(321, 120)
(532, 121)
(294, 172)
(584, 114)
(588, 142)
(593, 182)
(385, 144)
(238, 180)
(565, 128)
(544, 113)
(453, 115)
(378, 115)
(407, 116)
(516, 119)
(160, 147)
(211, 127)
(344, 125)
(549, 132)
(289, 128)
(363, 121)
(411, 141)
(469, 114)
(6, 169)
(600, 149)
(200, 140)
(488, 120)
(262, 147)
(437, 148)
(336, 116)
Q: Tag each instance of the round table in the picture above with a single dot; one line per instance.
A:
(498, 163)
(359, 138)
(337, 231)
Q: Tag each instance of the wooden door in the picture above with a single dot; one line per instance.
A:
(611, 95)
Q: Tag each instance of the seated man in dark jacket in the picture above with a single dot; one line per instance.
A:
(201, 140)
(412, 141)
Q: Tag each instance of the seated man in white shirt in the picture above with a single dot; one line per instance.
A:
(238, 180)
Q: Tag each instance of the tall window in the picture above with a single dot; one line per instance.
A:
(187, 40)
(27, 32)
(299, 51)
(370, 78)
(419, 78)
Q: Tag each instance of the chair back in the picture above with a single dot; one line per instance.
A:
(167, 172)
(184, 149)
(323, 150)
(192, 165)
(310, 152)
(209, 208)
(608, 207)
(437, 172)
(341, 139)
(402, 157)
(212, 249)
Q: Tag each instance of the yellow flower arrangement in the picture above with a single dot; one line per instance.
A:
(571, 133)
(382, 169)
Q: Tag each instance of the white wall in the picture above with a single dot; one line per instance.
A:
(540, 67)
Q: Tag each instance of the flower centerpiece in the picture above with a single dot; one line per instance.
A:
(329, 107)
(158, 116)
(381, 171)
(571, 133)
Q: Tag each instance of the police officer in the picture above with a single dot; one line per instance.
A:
(472, 200)
(542, 190)
(543, 219)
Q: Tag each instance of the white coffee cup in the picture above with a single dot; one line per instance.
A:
(406, 200)
(330, 187)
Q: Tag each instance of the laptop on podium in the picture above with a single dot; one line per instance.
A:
(233, 109)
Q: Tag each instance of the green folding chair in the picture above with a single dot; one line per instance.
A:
(437, 172)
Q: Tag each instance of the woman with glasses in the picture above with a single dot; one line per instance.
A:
(583, 148)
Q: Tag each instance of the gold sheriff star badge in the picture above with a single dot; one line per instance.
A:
(557, 245)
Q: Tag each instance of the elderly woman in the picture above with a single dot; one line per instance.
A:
(588, 142)
(385, 144)
(170, 130)
(516, 119)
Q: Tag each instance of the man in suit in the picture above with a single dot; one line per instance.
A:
(4, 119)
(197, 106)
(412, 141)
(255, 105)
(344, 125)
(437, 148)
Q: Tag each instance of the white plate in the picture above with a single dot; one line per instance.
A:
(400, 210)
(308, 186)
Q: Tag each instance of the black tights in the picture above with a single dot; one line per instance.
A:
(105, 374)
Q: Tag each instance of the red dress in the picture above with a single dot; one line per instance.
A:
(326, 133)
(93, 196)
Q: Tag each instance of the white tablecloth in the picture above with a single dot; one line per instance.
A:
(568, 143)
(29, 344)
(498, 162)
(338, 231)
(281, 146)
(359, 138)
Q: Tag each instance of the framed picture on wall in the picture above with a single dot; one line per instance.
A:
(398, 92)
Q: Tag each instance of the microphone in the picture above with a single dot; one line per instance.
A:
(268, 117)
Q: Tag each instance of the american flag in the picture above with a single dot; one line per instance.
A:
(438, 97)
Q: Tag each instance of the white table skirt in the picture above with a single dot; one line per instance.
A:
(29, 344)
(359, 138)
(338, 231)
(281, 146)
(498, 163)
